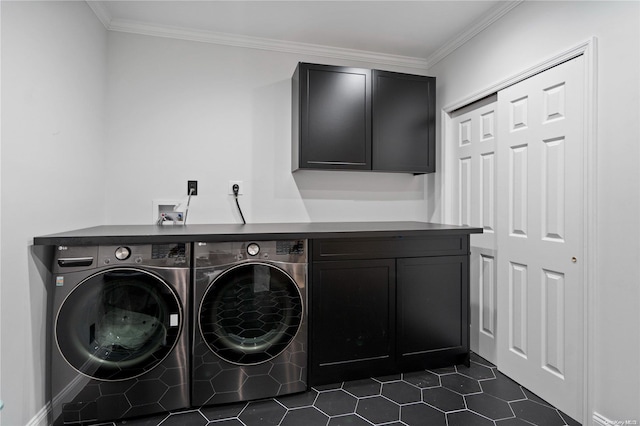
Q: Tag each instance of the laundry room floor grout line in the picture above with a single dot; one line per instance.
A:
(451, 396)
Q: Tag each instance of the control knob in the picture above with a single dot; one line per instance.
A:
(253, 249)
(123, 253)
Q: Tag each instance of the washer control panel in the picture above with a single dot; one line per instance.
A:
(163, 255)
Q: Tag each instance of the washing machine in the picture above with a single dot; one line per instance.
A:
(120, 340)
(250, 330)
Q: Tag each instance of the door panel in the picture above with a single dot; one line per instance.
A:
(352, 319)
(431, 305)
(403, 116)
(487, 296)
(540, 199)
(475, 205)
(432, 315)
(335, 117)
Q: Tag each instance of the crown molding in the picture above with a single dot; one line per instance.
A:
(136, 27)
(101, 12)
(235, 40)
(492, 16)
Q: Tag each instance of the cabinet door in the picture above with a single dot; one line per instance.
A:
(334, 114)
(403, 122)
(352, 320)
(433, 326)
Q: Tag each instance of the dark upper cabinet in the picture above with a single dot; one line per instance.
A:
(360, 119)
(403, 122)
(332, 118)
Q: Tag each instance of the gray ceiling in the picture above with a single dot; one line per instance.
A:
(413, 29)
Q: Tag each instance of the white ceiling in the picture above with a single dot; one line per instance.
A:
(422, 31)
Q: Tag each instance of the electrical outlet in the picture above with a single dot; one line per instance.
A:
(240, 185)
(192, 185)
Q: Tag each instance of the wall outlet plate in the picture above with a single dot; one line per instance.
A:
(192, 184)
(236, 182)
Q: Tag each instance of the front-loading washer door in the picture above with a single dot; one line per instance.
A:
(250, 313)
(118, 324)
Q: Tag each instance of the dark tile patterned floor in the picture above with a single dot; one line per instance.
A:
(478, 395)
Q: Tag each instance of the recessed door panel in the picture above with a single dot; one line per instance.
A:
(465, 191)
(488, 296)
(518, 306)
(518, 114)
(487, 125)
(554, 189)
(518, 190)
(465, 133)
(553, 295)
(487, 191)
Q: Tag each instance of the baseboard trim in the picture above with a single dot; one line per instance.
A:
(41, 417)
(600, 420)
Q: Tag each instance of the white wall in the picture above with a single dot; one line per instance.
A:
(181, 110)
(529, 34)
(53, 85)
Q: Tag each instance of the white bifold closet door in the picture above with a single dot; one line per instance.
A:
(518, 174)
(540, 211)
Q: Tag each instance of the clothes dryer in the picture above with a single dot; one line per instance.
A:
(250, 332)
(119, 344)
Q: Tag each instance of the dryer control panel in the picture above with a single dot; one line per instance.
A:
(286, 247)
(289, 251)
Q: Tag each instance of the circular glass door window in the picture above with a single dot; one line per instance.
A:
(118, 324)
(250, 313)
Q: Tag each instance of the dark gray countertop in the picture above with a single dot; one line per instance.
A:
(141, 234)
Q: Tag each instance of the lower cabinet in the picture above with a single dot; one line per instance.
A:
(352, 319)
(380, 316)
(432, 312)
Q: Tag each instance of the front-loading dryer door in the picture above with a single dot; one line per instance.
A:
(118, 324)
(250, 313)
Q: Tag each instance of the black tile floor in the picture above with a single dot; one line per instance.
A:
(478, 395)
